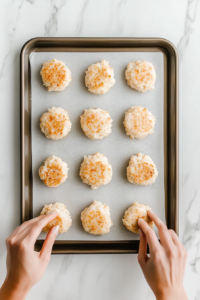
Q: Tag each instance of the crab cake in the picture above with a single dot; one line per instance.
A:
(53, 172)
(133, 213)
(96, 218)
(63, 219)
(141, 170)
(96, 123)
(99, 77)
(140, 75)
(139, 122)
(56, 76)
(95, 170)
(55, 123)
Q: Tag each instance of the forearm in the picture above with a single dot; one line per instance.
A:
(173, 295)
(10, 292)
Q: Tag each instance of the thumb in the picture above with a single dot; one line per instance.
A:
(142, 253)
(48, 243)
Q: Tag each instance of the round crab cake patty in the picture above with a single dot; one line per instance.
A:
(141, 170)
(95, 170)
(133, 213)
(139, 122)
(140, 75)
(99, 77)
(96, 218)
(55, 123)
(96, 123)
(56, 76)
(53, 172)
(63, 219)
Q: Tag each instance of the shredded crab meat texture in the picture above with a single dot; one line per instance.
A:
(63, 219)
(95, 172)
(56, 123)
(141, 121)
(141, 75)
(53, 172)
(99, 75)
(95, 221)
(95, 123)
(96, 218)
(142, 171)
(53, 175)
(133, 213)
(54, 73)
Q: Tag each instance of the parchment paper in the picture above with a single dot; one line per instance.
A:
(119, 194)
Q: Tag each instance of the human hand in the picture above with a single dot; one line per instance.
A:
(25, 267)
(164, 269)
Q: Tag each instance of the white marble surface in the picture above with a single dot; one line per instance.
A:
(103, 276)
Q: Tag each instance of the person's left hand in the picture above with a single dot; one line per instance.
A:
(25, 267)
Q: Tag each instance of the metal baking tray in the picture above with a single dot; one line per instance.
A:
(170, 129)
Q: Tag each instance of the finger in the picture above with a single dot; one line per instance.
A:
(30, 230)
(175, 239)
(45, 252)
(25, 225)
(15, 231)
(165, 237)
(21, 231)
(142, 253)
(37, 227)
(180, 250)
(150, 236)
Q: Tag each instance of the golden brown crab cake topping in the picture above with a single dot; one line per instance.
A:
(63, 219)
(56, 76)
(53, 172)
(99, 77)
(139, 122)
(140, 75)
(96, 123)
(96, 218)
(133, 213)
(141, 170)
(55, 123)
(95, 170)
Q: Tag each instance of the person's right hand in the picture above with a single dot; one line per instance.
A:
(164, 269)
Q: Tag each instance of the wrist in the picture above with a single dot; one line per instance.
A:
(13, 291)
(172, 295)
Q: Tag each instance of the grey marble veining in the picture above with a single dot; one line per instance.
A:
(103, 276)
(191, 13)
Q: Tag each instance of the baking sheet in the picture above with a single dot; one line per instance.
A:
(119, 194)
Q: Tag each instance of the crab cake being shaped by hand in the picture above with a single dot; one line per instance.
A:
(95, 170)
(140, 75)
(56, 76)
(96, 123)
(63, 219)
(141, 170)
(139, 122)
(99, 77)
(133, 213)
(96, 218)
(53, 172)
(55, 123)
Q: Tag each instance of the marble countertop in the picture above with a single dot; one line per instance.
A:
(103, 276)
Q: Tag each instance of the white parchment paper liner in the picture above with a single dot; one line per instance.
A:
(119, 194)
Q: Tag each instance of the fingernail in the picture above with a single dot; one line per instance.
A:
(56, 228)
(140, 219)
(150, 211)
(140, 232)
(52, 213)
